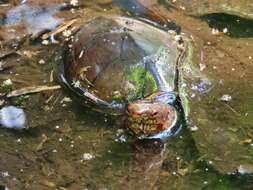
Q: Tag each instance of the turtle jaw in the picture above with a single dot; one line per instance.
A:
(150, 118)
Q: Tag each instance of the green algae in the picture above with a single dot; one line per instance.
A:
(144, 82)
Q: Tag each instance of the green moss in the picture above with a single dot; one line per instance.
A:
(21, 100)
(143, 81)
(5, 89)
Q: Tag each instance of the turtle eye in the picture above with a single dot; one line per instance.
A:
(155, 113)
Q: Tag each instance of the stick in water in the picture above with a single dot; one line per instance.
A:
(31, 89)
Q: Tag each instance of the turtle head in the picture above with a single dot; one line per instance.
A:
(148, 118)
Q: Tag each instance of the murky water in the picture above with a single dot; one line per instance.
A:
(70, 147)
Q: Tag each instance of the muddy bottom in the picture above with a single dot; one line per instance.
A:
(70, 147)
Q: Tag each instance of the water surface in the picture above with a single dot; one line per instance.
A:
(70, 147)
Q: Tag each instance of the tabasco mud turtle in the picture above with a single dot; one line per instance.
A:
(120, 65)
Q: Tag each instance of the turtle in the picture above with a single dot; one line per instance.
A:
(128, 66)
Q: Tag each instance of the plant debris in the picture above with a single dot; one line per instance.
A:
(31, 89)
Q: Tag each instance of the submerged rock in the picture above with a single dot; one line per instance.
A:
(1, 186)
(12, 117)
(226, 98)
(245, 169)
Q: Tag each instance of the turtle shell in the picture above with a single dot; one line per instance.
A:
(114, 60)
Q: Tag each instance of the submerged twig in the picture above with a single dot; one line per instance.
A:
(31, 89)
(5, 55)
(59, 29)
(232, 109)
(41, 144)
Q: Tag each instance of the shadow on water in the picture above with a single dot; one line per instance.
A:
(148, 164)
(237, 27)
(200, 170)
(203, 169)
(3, 1)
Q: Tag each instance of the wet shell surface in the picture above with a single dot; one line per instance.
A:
(113, 61)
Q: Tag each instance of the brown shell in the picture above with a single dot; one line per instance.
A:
(105, 62)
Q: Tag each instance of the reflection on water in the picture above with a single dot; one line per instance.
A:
(35, 19)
